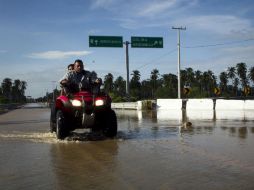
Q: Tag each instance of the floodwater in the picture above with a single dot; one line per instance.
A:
(151, 151)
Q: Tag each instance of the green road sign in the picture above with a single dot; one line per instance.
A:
(105, 41)
(146, 42)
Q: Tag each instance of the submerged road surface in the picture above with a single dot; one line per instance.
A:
(149, 152)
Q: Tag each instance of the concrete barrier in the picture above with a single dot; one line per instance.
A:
(230, 114)
(249, 105)
(165, 115)
(229, 105)
(200, 115)
(139, 105)
(248, 115)
(191, 104)
(199, 104)
(125, 105)
(169, 104)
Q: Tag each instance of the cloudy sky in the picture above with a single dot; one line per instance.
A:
(39, 38)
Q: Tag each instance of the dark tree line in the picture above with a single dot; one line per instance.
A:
(201, 84)
(12, 91)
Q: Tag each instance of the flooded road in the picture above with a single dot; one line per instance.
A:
(151, 151)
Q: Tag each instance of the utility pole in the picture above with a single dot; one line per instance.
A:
(127, 69)
(179, 60)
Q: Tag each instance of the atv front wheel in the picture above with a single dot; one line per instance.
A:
(110, 124)
(61, 126)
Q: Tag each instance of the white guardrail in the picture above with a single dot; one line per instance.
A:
(205, 104)
(127, 105)
(191, 104)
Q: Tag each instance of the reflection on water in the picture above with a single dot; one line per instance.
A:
(141, 124)
(205, 115)
(84, 164)
(152, 150)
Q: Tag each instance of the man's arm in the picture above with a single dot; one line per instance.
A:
(64, 81)
(93, 78)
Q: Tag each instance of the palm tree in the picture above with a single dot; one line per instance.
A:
(197, 79)
(242, 73)
(135, 84)
(153, 78)
(190, 75)
(135, 77)
(169, 85)
(146, 89)
(119, 86)
(108, 82)
(223, 81)
(251, 74)
(184, 78)
(235, 86)
(6, 88)
(16, 90)
(208, 82)
(231, 75)
(22, 89)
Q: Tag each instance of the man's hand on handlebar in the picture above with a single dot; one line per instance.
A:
(64, 83)
(98, 81)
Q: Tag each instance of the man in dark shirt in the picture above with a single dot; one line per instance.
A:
(79, 79)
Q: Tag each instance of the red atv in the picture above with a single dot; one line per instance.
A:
(83, 109)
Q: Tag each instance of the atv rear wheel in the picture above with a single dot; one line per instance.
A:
(110, 124)
(61, 125)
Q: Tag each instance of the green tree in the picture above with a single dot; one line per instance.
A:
(208, 83)
(223, 82)
(169, 86)
(119, 86)
(135, 80)
(242, 73)
(22, 90)
(154, 80)
(16, 90)
(198, 81)
(108, 82)
(251, 74)
(6, 88)
(135, 85)
(235, 86)
(146, 91)
(232, 75)
(190, 76)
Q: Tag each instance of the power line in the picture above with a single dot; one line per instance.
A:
(155, 59)
(219, 44)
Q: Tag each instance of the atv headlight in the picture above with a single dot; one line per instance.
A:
(76, 103)
(99, 102)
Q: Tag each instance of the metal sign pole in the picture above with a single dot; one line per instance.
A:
(127, 70)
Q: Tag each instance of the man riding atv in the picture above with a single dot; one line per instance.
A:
(78, 79)
(82, 105)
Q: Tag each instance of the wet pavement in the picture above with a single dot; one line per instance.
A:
(151, 151)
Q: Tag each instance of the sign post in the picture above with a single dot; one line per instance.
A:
(127, 69)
